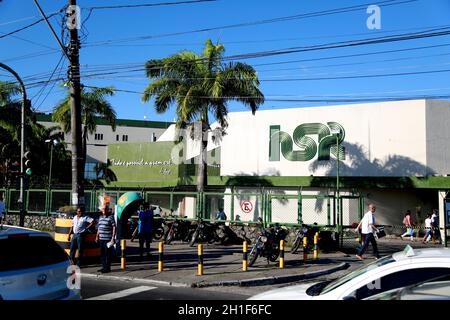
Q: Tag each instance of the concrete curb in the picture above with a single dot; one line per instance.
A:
(272, 280)
(135, 279)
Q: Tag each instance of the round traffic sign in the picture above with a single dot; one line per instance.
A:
(247, 206)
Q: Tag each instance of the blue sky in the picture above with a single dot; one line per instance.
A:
(32, 54)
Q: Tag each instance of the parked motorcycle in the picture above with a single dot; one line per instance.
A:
(205, 232)
(267, 244)
(300, 234)
(178, 230)
(159, 227)
(157, 231)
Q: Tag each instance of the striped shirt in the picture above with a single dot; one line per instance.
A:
(105, 227)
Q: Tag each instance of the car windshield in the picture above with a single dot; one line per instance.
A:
(29, 252)
(363, 269)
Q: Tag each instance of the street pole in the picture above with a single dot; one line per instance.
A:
(337, 190)
(75, 105)
(50, 170)
(22, 142)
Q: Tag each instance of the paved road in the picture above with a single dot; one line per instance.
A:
(101, 289)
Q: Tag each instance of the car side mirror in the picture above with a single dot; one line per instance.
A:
(352, 298)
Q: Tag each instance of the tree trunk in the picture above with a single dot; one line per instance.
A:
(202, 174)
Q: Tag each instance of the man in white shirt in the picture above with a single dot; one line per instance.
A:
(428, 229)
(79, 227)
(368, 229)
(435, 226)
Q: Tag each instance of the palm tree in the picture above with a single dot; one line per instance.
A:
(93, 105)
(199, 85)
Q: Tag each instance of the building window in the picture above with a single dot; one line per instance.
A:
(125, 137)
(117, 137)
(89, 171)
(98, 136)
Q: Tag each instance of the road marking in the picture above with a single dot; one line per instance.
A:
(122, 293)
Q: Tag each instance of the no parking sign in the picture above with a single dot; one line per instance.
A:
(246, 206)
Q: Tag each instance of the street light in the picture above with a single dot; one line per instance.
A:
(52, 142)
(22, 141)
(337, 132)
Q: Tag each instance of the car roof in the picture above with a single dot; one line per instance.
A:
(14, 230)
(410, 253)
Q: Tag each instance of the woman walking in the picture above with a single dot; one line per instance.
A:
(407, 221)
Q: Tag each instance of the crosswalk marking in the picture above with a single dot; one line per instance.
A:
(122, 293)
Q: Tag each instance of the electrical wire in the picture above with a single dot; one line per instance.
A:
(257, 22)
(29, 25)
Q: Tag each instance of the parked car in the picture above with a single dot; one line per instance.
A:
(435, 289)
(401, 269)
(33, 267)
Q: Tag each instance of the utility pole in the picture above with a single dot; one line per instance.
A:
(75, 104)
(73, 24)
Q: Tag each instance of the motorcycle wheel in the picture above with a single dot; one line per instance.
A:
(169, 237)
(158, 234)
(193, 239)
(134, 235)
(296, 244)
(274, 254)
(253, 255)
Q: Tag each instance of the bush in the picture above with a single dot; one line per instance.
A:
(68, 210)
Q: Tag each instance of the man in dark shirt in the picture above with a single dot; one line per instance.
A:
(106, 234)
(145, 228)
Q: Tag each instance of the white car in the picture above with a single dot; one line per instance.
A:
(401, 269)
(34, 267)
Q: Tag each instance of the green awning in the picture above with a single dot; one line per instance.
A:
(127, 199)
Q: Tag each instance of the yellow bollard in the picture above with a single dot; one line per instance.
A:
(305, 249)
(244, 258)
(123, 260)
(316, 247)
(281, 254)
(160, 256)
(200, 260)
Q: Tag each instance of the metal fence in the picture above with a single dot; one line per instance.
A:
(272, 207)
(44, 202)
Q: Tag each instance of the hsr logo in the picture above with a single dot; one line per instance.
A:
(303, 138)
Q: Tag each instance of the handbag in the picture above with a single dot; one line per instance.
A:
(381, 233)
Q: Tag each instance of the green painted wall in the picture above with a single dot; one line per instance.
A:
(143, 164)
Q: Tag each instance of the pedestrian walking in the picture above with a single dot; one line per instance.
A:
(106, 234)
(428, 229)
(2, 210)
(435, 226)
(145, 228)
(80, 226)
(408, 223)
(368, 231)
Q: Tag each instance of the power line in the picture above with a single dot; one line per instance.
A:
(134, 66)
(39, 93)
(349, 99)
(51, 89)
(344, 44)
(147, 5)
(30, 25)
(259, 22)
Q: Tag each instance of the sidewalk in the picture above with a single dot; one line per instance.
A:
(222, 267)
